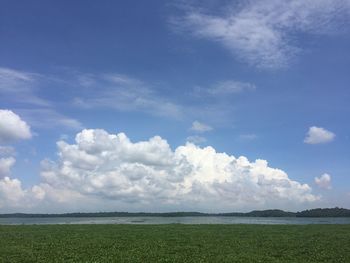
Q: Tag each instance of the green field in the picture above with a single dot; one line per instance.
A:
(175, 243)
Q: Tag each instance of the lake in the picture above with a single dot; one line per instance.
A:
(175, 220)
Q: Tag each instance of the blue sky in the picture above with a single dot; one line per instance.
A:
(266, 80)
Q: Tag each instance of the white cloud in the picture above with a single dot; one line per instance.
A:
(200, 127)
(48, 118)
(11, 192)
(22, 88)
(5, 166)
(9, 75)
(19, 86)
(223, 89)
(263, 33)
(231, 87)
(12, 127)
(12, 195)
(324, 181)
(7, 151)
(196, 139)
(114, 91)
(248, 137)
(123, 93)
(317, 135)
(109, 169)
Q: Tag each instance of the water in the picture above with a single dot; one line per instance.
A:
(174, 220)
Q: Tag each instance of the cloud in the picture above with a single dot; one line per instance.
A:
(7, 151)
(230, 87)
(48, 118)
(19, 90)
(324, 181)
(200, 127)
(112, 170)
(20, 87)
(195, 139)
(12, 195)
(248, 137)
(123, 93)
(12, 127)
(11, 192)
(264, 33)
(5, 166)
(317, 135)
(222, 89)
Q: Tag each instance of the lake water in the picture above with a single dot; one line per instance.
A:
(174, 220)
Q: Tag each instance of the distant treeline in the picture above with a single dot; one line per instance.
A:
(325, 212)
(319, 212)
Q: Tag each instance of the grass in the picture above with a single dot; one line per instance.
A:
(175, 243)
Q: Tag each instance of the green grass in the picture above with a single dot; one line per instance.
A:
(175, 243)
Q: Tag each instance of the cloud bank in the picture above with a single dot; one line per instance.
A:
(103, 171)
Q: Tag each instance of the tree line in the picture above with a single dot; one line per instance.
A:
(318, 212)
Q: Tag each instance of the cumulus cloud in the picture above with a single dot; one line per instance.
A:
(5, 166)
(11, 192)
(12, 195)
(263, 33)
(317, 135)
(324, 181)
(200, 127)
(12, 127)
(111, 169)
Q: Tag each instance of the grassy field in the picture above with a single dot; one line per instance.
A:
(175, 243)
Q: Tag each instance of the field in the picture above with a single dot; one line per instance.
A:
(175, 243)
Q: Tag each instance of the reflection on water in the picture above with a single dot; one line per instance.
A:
(174, 220)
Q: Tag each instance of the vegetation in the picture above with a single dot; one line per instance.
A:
(271, 213)
(326, 212)
(175, 243)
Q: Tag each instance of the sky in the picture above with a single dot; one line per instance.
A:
(154, 106)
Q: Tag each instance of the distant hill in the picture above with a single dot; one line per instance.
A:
(318, 212)
(271, 213)
(262, 213)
